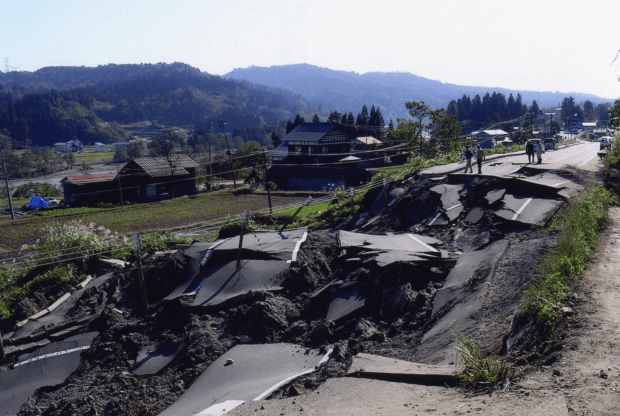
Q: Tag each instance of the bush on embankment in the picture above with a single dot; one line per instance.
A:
(580, 223)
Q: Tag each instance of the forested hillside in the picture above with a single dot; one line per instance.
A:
(348, 91)
(90, 104)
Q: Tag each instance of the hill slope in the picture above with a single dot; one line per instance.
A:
(349, 91)
(62, 103)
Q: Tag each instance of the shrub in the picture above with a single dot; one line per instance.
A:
(580, 224)
(39, 189)
(480, 371)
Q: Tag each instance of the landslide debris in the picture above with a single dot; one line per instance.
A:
(380, 301)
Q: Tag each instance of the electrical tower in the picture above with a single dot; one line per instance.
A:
(7, 67)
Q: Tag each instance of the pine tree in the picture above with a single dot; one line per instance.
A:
(362, 118)
(289, 126)
(315, 118)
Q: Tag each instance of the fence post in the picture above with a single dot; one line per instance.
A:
(137, 244)
(385, 186)
(243, 222)
(2, 353)
(269, 197)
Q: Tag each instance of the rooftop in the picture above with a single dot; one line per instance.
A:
(82, 179)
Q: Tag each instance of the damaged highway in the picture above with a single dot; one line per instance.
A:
(438, 254)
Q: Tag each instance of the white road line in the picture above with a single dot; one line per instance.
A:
(297, 246)
(53, 354)
(210, 251)
(424, 244)
(587, 160)
(434, 219)
(224, 407)
(455, 206)
(514, 217)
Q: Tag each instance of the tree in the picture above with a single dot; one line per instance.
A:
(419, 111)
(165, 145)
(298, 120)
(275, 139)
(334, 117)
(362, 118)
(614, 115)
(289, 126)
(602, 111)
(446, 129)
(588, 111)
(534, 109)
(315, 118)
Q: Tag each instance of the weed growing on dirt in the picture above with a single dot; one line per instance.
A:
(162, 241)
(64, 239)
(480, 371)
(580, 225)
(16, 285)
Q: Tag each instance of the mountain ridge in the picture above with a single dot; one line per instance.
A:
(349, 91)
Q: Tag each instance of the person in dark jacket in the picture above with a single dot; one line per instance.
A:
(529, 151)
(480, 156)
(467, 154)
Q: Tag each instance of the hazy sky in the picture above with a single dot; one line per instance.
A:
(543, 45)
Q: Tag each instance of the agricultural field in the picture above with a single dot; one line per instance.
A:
(143, 218)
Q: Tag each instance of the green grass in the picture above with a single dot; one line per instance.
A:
(580, 225)
(96, 156)
(143, 218)
(482, 371)
(311, 209)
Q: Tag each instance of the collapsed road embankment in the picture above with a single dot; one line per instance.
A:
(445, 254)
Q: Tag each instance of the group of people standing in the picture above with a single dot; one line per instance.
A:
(532, 148)
(480, 156)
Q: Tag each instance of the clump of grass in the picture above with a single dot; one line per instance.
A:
(162, 241)
(16, 285)
(479, 371)
(62, 240)
(580, 224)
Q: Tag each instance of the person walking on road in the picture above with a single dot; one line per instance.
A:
(529, 151)
(480, 156)
(539, 147)
(467, 154)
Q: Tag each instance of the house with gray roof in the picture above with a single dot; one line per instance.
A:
(145, 179)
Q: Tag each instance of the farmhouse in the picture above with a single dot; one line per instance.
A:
(487, 138)
(149, 179)
(141, 180)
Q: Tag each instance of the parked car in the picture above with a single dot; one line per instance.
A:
(51, 201)
(550, 143)
(606, 142)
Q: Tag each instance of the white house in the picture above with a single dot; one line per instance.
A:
(99, 147)
(60, 147)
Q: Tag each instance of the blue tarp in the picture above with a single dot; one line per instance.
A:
(36, 202)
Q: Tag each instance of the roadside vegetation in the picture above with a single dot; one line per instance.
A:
(64, 257)
(480, 371)
(580, 224)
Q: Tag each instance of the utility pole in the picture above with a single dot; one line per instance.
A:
(223, 126)
(531, 126)
(120, 189)
(210, 168)
(8, 191)
(243, 222)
